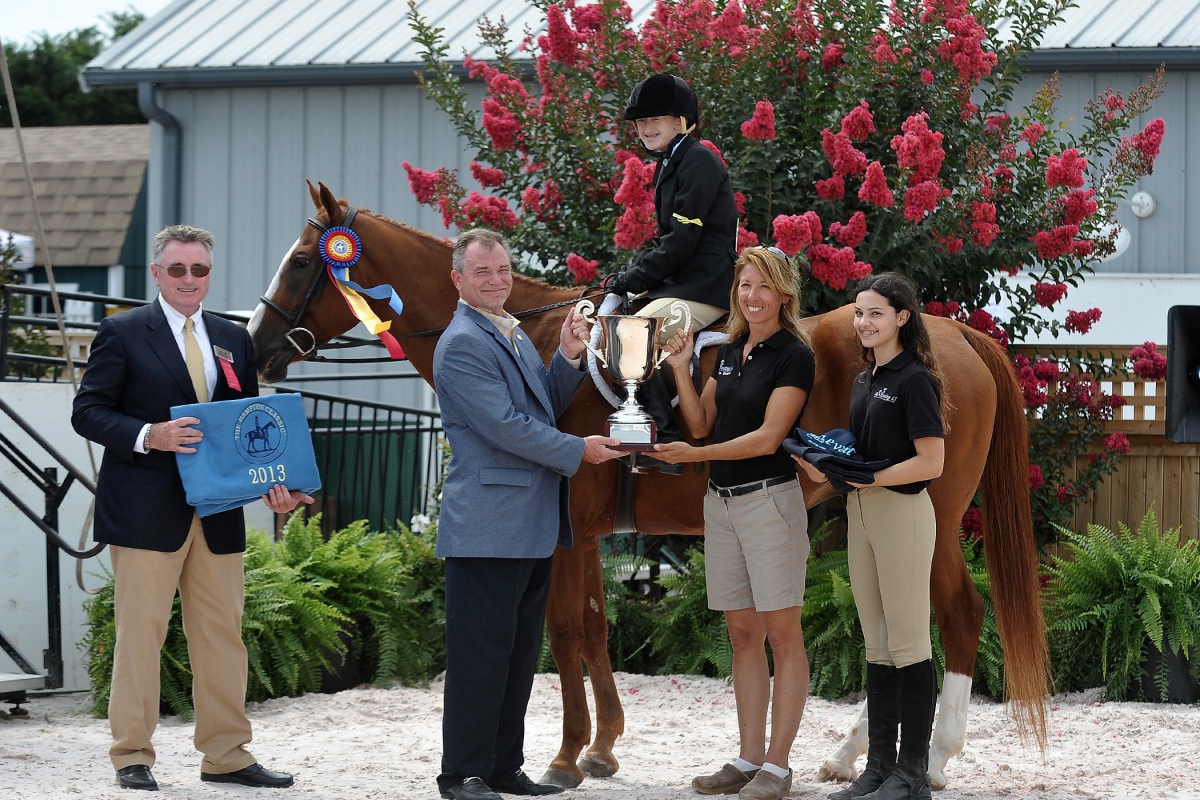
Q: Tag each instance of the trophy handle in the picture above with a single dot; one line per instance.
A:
(587, 310)
(679, 312)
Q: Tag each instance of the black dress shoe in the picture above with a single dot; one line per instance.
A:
(254, 775)
(520, 783)
(137, 776)
(470, 789)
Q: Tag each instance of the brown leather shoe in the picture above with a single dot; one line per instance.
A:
(727, 780)
(766, 786)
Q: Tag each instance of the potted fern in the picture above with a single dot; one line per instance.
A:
(1124, 611)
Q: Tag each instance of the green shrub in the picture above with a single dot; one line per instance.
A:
(690, 636)
(305, 598)
(1113, 598)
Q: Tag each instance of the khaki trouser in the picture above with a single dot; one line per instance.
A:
(890, 540)
(211, 588)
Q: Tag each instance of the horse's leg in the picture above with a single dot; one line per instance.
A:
(564, 613)
(599, 761)
(839, 765)
(959, 613)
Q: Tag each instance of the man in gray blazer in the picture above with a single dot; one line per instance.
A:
(504, 509)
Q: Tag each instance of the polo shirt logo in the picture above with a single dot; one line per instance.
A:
(725, 369)
(260, 433)
(883, 395)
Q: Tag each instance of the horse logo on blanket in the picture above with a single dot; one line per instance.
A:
(260, 432)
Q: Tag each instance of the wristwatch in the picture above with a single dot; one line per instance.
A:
(146, 439)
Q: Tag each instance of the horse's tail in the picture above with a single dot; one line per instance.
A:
(1010, 548)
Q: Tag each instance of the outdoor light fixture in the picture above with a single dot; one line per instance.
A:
(1142, 205)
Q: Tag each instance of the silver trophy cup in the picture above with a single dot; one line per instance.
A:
(631, 352)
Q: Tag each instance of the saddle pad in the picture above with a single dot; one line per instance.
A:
(249, 445)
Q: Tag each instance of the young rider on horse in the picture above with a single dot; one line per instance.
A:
(691, 256)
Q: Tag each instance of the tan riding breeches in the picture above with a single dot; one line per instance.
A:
(890, 550)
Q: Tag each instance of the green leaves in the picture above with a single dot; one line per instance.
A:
(1116, 596)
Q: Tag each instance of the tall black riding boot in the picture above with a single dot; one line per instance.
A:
(918, 698)
(883, 723)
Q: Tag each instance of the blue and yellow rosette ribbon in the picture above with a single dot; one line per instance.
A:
(341, 249)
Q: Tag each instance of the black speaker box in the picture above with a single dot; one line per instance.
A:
(1183, 374)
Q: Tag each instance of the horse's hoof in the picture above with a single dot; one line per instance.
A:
(835, 771)
(595, 768)
(937, 779)
(560, 777)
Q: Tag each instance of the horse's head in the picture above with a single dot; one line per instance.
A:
(297, 313)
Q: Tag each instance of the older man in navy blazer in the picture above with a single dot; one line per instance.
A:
(504, 509)
(166, 353)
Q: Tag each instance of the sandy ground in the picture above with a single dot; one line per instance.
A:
(373, 743)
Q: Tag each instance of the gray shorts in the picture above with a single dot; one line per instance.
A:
(756, 549)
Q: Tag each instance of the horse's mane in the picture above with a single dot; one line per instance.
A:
(517, 277)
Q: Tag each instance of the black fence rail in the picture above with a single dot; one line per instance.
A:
(377, 462)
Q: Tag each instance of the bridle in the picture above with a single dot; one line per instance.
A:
(295, 329)
(313, 292)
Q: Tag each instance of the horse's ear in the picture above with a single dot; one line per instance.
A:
(333, 209)
(314, 194)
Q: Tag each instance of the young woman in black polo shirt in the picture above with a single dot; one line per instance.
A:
(895, 414)
(755, 523)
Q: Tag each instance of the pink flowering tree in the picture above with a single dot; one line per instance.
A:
(877, 134)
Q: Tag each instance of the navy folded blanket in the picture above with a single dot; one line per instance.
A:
(836, 454)
(249, 445)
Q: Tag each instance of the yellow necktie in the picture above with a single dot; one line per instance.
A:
(195, 361)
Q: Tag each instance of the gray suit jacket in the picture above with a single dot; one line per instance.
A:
(506, 492)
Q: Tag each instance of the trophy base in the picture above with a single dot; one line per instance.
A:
(634, 437)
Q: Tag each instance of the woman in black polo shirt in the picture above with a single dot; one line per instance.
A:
(895, 414)
(755, 523)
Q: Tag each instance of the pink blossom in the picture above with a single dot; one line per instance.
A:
(972, 524)
(1046, 371)
(1078, 205)
(761, 126)
(919, 149)
(831, 59)
(859, 123)
(486, 176)
(875, 189)
(793, 233)
(1035, 477)
(1066, 170)
(1148, 363)
(1047, 294)
(560, 41)
(920, 200)
(1149, 141)
(1116, 442)
(831, 188)
(926, 76)
(983, 223)
(489, 212)
(1033, 132)
(964, 49)
(852, 233)
(835, 267)
(426, 186)
(1081, 321)
(845, 158)
(583, 270)
(1055, 243)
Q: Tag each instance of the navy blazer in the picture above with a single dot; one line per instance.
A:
(506, 493)
(692, 255)
(135, 373)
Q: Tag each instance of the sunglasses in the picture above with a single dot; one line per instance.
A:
(775, 251)
(178, 270)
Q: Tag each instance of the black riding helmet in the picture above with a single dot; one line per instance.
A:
(663, 95)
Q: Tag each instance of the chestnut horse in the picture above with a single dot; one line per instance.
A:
(986, 441)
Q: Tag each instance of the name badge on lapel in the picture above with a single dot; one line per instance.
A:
(225, 359)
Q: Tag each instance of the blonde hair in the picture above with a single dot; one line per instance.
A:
(782, 277)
